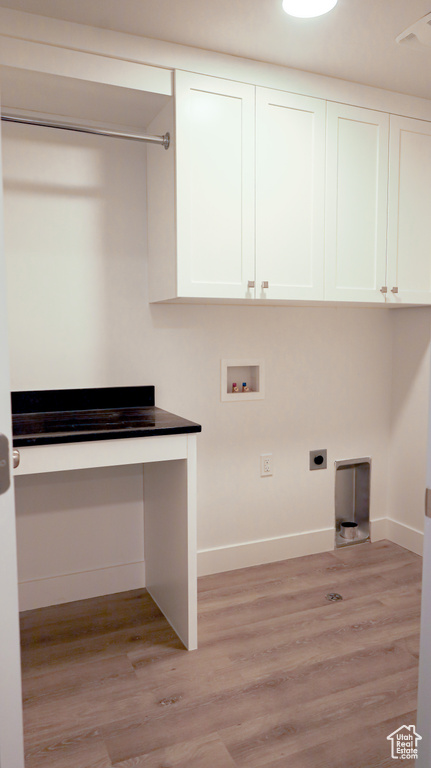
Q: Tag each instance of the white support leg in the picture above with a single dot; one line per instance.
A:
(170, 541)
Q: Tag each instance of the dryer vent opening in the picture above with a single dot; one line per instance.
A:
(352, 501)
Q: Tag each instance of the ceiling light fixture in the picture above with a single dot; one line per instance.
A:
(306, 9)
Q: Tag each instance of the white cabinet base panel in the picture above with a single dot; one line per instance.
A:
(170, 546)
(169, 517)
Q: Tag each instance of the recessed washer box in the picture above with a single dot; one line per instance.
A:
(246, 371)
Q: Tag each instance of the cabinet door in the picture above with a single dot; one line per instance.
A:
(290, 186)
(214, 186)
(356, 203)
(409, 240)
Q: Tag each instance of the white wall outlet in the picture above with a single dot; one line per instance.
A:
(266, 465)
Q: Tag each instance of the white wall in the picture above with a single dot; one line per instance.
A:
(409, 424)
(80, 534)
(79, 317)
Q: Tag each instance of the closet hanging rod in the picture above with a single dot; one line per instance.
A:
(163, 140)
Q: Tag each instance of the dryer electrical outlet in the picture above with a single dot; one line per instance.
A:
(318, 459)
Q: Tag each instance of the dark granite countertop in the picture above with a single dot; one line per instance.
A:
(70, 416)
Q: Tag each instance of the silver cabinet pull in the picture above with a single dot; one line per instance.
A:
(250, 284)
(394, 289)
(384, 289)
(16, 458)
(265, 284)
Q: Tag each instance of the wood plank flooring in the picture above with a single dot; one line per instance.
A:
(282, 678)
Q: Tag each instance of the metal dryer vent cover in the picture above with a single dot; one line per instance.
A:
(418, 35)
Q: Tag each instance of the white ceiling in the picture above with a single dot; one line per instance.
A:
(355, 41)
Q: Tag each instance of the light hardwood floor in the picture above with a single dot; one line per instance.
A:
(283, 678)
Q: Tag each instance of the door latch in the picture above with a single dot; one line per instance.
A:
(428, 502)
(4, 464)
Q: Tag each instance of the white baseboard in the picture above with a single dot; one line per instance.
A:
(405, 536)
(232, 557)
(66, 588)
(379, 529)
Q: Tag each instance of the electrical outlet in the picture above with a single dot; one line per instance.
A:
(266, 465)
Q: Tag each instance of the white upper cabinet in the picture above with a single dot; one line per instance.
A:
(208, 249)
(409, 240)
(215, 186)
(290, 187)
(356, 204)
(267, 195)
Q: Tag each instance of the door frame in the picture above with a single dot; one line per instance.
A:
(423, 721)
(11, 729)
